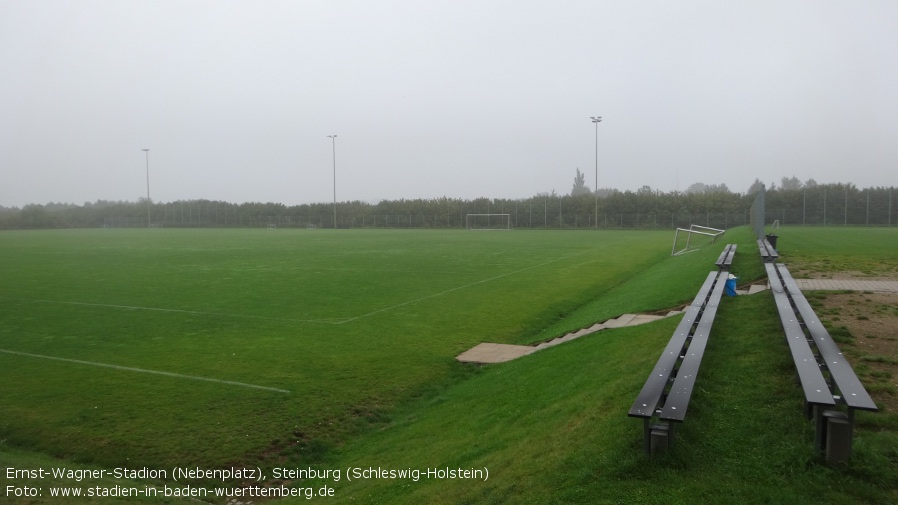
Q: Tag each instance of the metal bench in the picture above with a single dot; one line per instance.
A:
(768, 253)
(677, 367)
(725, 260)
(681, 390)
(804, 333)
(816, 390)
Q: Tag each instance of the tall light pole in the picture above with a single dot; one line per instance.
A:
(596, 120)
(334, 148)
(147, 151)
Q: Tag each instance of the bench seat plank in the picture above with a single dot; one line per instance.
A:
(728, 262)
(763, 249)
(725, 260)
(723, 256)
(771, 252)
(853, 392)
(816, 390)
(704, 290)
(767, 250)
(647, 400)
(681, 391)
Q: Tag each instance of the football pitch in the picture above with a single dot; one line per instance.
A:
(214, 347)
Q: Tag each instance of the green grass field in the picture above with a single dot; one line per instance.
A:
(336, 349)
(351, 324)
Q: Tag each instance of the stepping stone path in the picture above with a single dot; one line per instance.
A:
(499, 353)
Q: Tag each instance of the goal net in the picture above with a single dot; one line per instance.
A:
(488, 221)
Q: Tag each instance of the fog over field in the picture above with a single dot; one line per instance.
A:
(462, 99)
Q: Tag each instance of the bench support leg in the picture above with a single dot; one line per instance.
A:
(661, 437)
(833, 434)
(647, 435)
(819, 429)
(838, 435)
(838, 440)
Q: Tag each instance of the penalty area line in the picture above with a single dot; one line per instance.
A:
(143, 370)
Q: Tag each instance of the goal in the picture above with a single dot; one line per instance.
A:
(488, 221)
(694, 237)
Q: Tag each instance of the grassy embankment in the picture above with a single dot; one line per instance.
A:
(552, 427)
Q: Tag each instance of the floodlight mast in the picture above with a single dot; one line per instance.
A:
(596, 120)
(147, 152)
(334, 149)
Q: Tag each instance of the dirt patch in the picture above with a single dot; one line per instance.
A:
(865, 325)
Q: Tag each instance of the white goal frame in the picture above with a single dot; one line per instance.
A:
(693, 229)
(503, 222)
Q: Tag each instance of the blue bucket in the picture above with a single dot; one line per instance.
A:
(730, 286)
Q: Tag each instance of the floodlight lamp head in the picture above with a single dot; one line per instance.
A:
(596, 119)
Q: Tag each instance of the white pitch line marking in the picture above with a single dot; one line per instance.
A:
(334, 321)
(143, 370)
(441, 293)
(195, 312)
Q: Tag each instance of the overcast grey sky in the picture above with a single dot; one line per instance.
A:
(235, 99)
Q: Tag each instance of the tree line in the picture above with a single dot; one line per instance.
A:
(791, 203)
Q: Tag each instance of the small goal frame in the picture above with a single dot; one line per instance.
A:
(694, 229)
(503, 222)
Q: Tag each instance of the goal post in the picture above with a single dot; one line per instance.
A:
(488, 221)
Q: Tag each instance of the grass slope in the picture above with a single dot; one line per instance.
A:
(552, 427)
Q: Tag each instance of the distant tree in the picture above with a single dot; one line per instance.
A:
(700, 188)
(810, 183)
(696, 188)
(755, 187)
(645, 190)
(579, 184)
(790, 183)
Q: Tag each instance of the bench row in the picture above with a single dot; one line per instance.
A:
(668, 389)
(725, 260)
(768, 253)
(825, 376)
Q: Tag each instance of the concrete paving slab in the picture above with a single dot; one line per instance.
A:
(643, 319)
(757, 288)
(621, 321)
(494, 353)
